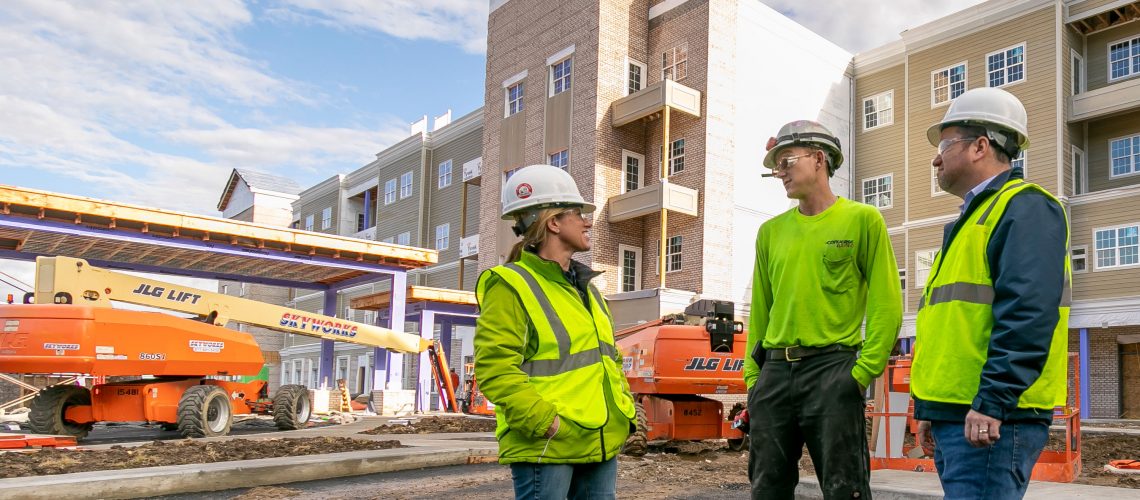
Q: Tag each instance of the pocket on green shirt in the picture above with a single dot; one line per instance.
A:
(840, 272)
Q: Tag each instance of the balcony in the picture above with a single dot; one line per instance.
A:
(367, 234)
(1121, 96)
(469, 246)
(651, 101)
(651, 199)
(473, 171)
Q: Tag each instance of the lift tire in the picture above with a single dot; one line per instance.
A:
(49, 406)
(291, 407)
(637, 444)
(737, 444)
(205, 411)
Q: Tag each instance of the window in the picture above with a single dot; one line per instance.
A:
(561, 159)
(946, 84)
(390, 192)
(1124, 154)
(342, 368)
(902, 278)
(1005, 66)
(1019, 162)
(1080, 172)
(514, 98)
(923, 260)
(444, 174)
(1079, 257)
(673, 254)
(405, 185)
(442, 236)
(677, 156)
(1123, 58)
(404, 238)
(935, 189)
(359, 222)
(1078, 76)
(560, 77)
(878, 110)
(633, 171)
(636, 76)
(877, 191)
(1117, 247)
(390, 239)
(675, 63)
(326, 218)
(309, 222)
(629, 259)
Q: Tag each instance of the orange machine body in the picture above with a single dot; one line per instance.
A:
(668, 367)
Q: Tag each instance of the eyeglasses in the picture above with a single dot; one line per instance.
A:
(946, 143)
(576, 212)
(787, 162)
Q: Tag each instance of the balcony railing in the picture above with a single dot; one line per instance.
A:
(651, 199)
(651, 100)
(1115, 98)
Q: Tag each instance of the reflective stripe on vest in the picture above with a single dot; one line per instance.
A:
(956, 317)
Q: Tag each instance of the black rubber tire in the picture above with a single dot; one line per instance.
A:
(49, 406)
(291, 407)
(637, 444)
(737, 444)
(205, 411)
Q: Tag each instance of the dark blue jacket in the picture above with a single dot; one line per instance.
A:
(1025, 254)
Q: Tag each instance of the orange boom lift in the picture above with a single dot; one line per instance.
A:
(69, 326)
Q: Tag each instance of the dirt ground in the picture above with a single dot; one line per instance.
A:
(433, 425)
(52, 461)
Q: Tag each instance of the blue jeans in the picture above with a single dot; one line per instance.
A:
(999, 471)
(560, 481)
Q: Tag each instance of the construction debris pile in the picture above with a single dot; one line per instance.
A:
(432, 425)
(158, 453)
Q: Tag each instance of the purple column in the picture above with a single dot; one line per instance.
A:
(395, 376)
(369, 210)
(327, 346)
(1084, 357)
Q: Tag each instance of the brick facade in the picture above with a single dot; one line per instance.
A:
(1104, 368)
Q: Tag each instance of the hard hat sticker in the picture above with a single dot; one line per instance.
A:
(524, 191)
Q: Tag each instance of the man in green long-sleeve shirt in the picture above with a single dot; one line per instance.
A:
(820, 268)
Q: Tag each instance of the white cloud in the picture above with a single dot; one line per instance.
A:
(462, 22)
(859, 25)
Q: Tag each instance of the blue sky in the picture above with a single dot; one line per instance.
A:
(155, 102)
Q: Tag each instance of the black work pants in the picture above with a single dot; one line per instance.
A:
(814, 401)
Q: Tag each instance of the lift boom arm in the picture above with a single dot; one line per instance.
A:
(71, 280)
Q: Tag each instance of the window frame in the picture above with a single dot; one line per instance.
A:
(1130, 40)
(639, 262)
(684, 46)
(625, 155)
(445, 237)
(889, 190)
(935, 189)
(877, 112)
(631, 62)
(673, 158)
(309, 222)
(406, 236)
(444, 178)
(560, 159)
(326, 218)
(1022, 155)
(1078, 78)
(1134, 156)
(390, 191)
(1080, 172)
(921, 284)
(566, 78)
(1005, 69)
(949, 84)
(407, 188)
(1084, 257)
(1116, 256)
(669, 254)
(517, 105)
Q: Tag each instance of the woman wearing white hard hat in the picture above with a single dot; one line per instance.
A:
(544, 347)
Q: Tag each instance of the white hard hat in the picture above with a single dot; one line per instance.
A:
(541, 186)
(993, 109)
(805, 133)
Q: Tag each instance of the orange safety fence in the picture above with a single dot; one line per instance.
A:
(1056, 465)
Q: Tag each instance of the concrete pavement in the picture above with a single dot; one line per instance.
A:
(899, 485)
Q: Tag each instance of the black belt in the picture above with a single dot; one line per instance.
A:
(796, 353)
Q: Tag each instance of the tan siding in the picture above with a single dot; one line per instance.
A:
(1097, 52)
(401, 216)
(1037, 92)
(315, 206)
(511, 146)
(1088, 6)
(558, 121)
(443, 278)
(879, 151)
(1100, 133)
(919, 239)
(1105, 283)
(898, 246)
(444, 204)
